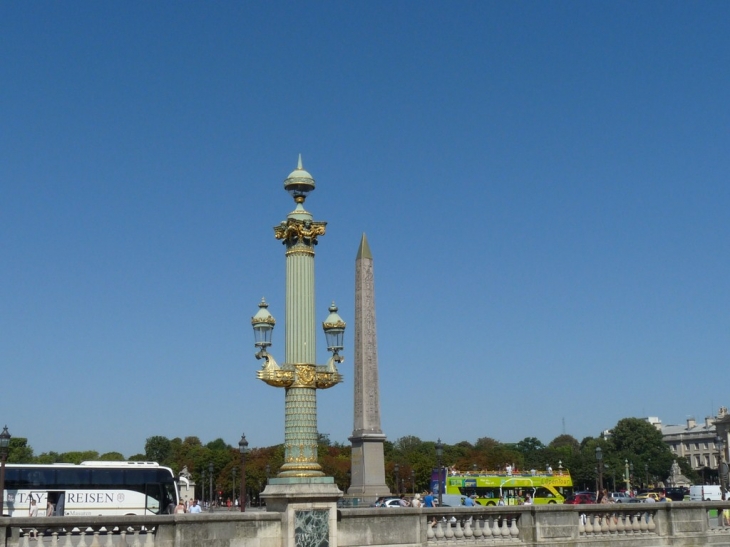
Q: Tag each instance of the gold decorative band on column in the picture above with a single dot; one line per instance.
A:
(300, 250)
(305, 375)
(301, 461)
(300, 231)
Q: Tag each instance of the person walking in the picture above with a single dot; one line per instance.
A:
(33, 512)
(195, 508)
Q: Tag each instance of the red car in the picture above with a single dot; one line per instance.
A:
(580, 499)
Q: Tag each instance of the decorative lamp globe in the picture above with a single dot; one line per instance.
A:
(299, 183)
(263, 326)
(334, 330)
(242, 444)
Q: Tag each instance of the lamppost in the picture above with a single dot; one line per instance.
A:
(4, 446)
(599, 462)
(413, 481)
(721, 473)
(439, 453)
(233, 486)
(627, 477)
(210, 485)
(646, 472)
(242, 445)
(397, 479)
(474, 469)
(299, 374)
(631, 473)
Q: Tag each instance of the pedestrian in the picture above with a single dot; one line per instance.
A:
(428, 500)
(416, 502)
(469, 501)
(195, 508)
(180, 507)
(49, 507)
(501, 501)
(33, 512)
(528, 500)
(403, 502)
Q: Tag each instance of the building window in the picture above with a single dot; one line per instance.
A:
(698, 462)
(697, 446)
(707, 460)
(706, 447)
(686, 446)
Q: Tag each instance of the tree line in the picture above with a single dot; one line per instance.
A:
(409, 461)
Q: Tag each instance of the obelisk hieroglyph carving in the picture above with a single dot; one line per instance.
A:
(368, 462)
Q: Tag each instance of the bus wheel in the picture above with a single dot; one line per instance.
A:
(551, 502)
(490, 503)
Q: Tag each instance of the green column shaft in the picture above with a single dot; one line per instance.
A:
(300, 429)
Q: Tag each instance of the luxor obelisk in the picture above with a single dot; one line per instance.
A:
(368, 462)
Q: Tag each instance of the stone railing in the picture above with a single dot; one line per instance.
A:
(641, 525)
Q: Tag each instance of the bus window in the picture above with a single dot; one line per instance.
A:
(71, 478)
(154, 498)
(12, 478)
(37, 477)
(107, 477)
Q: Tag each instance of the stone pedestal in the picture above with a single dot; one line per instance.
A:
(309, 507)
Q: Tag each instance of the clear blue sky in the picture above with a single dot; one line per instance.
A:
(544, 186)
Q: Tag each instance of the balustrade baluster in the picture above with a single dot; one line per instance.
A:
(439, 531)
(513, 531)
(477, 529)
(458, 532)
(449, 532)
(25, 542)
(505, 528)
(589, 525)
(620, 527)
(149, 538)
(612, 523)
(82, 541)
(136, 542)
(643, 523)
(495, 528)
(95, 541)
(651, 525)
(468, 532)
(635, 526)
(429, 531)
(486, 528)
(67, 535)
(604, 523)
(581, 524)
(123, 539)
(109, 538)
(54, 539)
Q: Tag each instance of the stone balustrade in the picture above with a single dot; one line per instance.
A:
(640, 525)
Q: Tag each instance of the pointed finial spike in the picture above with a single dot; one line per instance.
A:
(299, 164)
(364, 250)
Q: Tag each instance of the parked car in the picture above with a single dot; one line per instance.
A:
(620, 497)
(580, 498)
(647, 495)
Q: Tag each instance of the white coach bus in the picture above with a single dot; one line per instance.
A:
(92, 489)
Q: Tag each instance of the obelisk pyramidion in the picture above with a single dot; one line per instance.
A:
(368, 462)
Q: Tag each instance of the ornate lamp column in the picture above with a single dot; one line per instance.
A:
(299, 375)
(4, 446)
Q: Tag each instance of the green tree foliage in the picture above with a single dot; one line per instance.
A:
(158, 449)
(112, 457)
(19, 451)
(78, 457)
(641, 443)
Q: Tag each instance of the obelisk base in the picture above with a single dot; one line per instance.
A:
(368, 468)
(309, 507)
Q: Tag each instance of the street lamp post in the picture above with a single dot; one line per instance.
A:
(631, 473)
(233, 486)
(242, 446)
(4, 446)
(210, 485)
(413, 481)
(599, 461)
(721, 473)
(627, 477)
(646, 472)
(439, 453)
(397, 479)
(299, 374)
